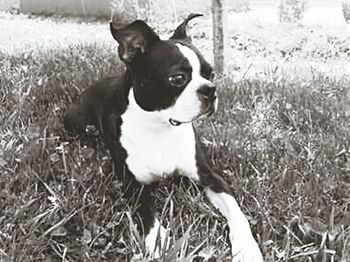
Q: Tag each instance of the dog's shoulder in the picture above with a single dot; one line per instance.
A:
(108, 94)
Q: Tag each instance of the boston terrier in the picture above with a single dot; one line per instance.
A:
(146, 119)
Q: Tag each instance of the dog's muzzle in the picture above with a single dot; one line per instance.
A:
(208, 98)
(207, 92)
(207, 95)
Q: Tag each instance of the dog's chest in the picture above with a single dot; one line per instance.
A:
(154, 150)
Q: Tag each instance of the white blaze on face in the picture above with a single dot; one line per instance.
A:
(188, 106)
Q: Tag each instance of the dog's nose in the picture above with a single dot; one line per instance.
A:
(207, 91)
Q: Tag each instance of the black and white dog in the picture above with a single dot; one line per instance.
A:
(145, 117)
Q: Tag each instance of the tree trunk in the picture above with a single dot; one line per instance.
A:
(218, 36)
(281, 10)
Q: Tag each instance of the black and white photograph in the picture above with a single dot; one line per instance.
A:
(175, 130)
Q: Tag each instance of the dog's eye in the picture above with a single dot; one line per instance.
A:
(177, 80)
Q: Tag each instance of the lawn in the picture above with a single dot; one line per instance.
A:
(281, 138)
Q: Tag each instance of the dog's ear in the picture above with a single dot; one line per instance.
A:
(134, 39)
(180, 32)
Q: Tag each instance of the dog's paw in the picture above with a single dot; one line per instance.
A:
(246, 250)
(137, 258)
(157, 232)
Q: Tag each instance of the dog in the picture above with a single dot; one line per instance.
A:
(146, 119)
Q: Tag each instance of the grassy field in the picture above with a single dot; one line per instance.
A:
(282, 142)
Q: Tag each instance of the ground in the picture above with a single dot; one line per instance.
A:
(281, 139)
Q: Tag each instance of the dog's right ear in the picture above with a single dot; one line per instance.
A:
(134, 39)
(180, 32)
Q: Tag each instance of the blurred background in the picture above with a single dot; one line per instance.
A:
(312, 11)
(257, 36)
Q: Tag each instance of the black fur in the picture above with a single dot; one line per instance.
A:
(180, 32)
(104, 103)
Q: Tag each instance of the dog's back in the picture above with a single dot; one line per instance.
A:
(106, 96)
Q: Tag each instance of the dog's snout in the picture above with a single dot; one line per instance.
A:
(207, 90)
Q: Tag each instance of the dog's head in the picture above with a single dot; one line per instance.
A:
(170, 76)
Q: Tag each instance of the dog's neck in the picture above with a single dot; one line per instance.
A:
(148, 119)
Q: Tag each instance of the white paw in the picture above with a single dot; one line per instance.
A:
(151, 241)
(246, 250)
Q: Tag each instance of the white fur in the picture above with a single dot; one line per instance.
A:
(155, 148)
(244, 246)
(188, 106)
(157, 231)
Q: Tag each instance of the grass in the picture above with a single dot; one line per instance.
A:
(283, 144)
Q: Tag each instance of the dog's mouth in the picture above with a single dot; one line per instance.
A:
(207, 109)
(205, 113)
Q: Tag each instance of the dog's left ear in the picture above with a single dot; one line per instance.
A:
(180, 32)
(134, 39)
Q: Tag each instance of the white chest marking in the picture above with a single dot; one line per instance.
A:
(155, 149)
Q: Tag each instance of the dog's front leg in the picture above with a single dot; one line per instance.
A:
(154, 232)
(157, 231)
(141, 199)
(243, 245)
